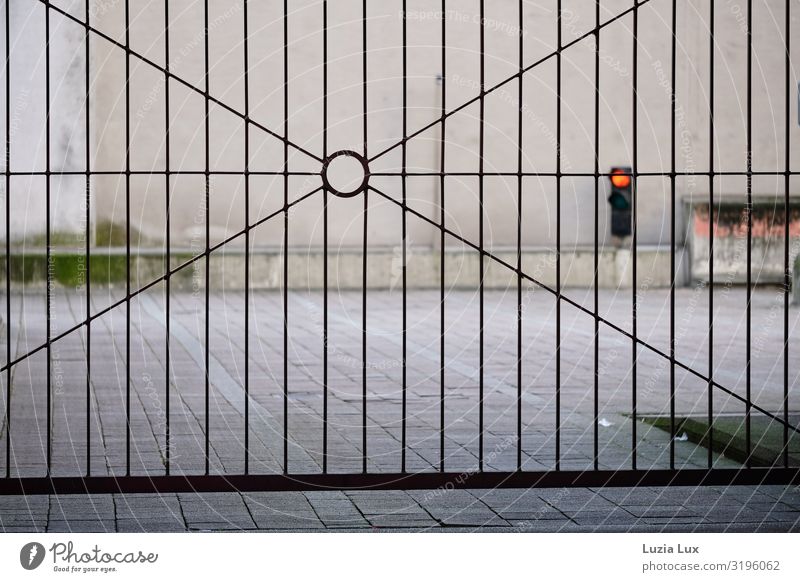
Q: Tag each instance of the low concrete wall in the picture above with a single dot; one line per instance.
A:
(730, 239)
(384, 268)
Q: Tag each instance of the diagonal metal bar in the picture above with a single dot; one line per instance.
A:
(585, 310)
(156, 281)
(183, 82)
(482, 94)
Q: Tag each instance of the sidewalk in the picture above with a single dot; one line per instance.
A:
(677, 509)
(739, 509)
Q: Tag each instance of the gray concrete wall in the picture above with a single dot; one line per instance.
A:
(28, 113)
(767, 248)
(227, 213)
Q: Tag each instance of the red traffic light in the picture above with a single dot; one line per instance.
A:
(619, 178)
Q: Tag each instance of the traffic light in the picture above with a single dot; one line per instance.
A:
(620, 201)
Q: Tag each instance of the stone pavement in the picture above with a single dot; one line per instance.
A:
(707, 509)
(87, 421)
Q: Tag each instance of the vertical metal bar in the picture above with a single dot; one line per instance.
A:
(596, 374)
(286, 236)
(481, 273)
(558, 237)
(787, 277)
(634, 236)
(207, 202)
(364, 253)
(168, 243)
(404, 160)
(127, 238)
(88, 235)
(325, 240)
(749, 210)
(711, 222)
(672, 248)
(48, 251)
(8, 239)
(441, 235)
(246, 242)
(519, 234)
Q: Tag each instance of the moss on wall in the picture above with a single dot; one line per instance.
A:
(68, 269)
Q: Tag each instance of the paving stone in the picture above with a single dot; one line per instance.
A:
(567, 504)
(653, 511)
(395, 505)
(283, 501)
(333, 523)
(539, 526)
(786, 516)
(782, 527)
(595, 517)
(78, 526)
(326, 496)
(149, 525)
(235, 522)
(403, 520)
(740, 508)
(737, 515)
(527, 503)
(31, 524)
(148, 513)
(474, 519)
(67, 513)
(769, 506)
(220, 526)
(549, 515)
(337, 507)
(24, 529)
(273, 520)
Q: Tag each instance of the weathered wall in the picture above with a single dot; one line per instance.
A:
(28, 114)
(227, 214)
(730, 240)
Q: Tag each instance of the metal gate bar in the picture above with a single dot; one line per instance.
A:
(635, 234)
(711, 144)
(47, 235)
(521, 63)
(749, 212)
(367, 480)
(404, 234)
(364, 253)
(672, 243)
(787, 281)
(559, 33)
(168, 239)
(88, 218)
(384, 481)
(442, 194)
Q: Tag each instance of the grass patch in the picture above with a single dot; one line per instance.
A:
(729, 438)
(111, 234)
(66, 269)
(107, 234)
(57, 239)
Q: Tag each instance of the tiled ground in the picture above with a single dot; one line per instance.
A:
(740, 508)
(767, 509)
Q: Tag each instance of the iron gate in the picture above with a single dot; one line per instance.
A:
(782, 472)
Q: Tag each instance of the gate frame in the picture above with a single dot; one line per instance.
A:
(479, 478)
